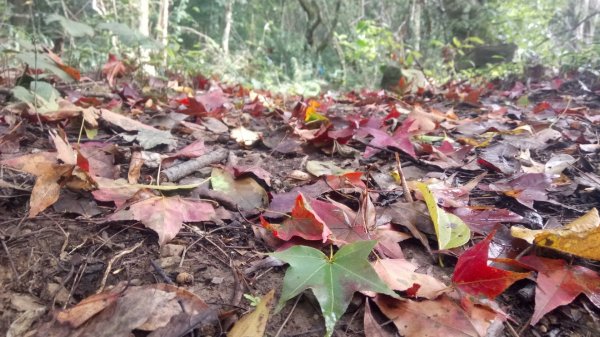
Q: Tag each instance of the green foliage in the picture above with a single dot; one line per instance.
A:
(369, 47)
(40, 95)
(333, 279)
(269, 48)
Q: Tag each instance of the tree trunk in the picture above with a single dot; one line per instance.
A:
(20, 13)
(162, 27)
(227, 29)
(144, 26)
(415, 19)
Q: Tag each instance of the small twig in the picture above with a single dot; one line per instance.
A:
(112, 260)
(511, 330)
(161, 272)
(525, 326)
(288, 316)
(407, 195)
(15, 273)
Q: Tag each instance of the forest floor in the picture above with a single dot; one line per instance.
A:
(82, 215)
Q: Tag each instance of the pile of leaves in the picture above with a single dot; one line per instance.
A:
(430, 205)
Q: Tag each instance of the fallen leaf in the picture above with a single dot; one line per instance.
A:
(113, 68)
(451, 231)
(484, 219)
(245, 192)
(244, 136)
(580, 237)
(303, 222)
(254, 323)
(162, 309)
(475, 276)
(399, 274)
(525, 188)
(341, 220)
(165, 215)
(440, 317)
(372, 327)
(559, 284)
(322, 168)
(333, 280)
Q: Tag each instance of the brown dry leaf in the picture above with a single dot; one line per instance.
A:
(580, 237)
(135, 167)
(87, 308)
(64, 150)
(45, 167)
(399, 274)
(372, 327)
(46, 190)
(165, 215)
(246, 192)
(442, 317)
(254, 323)
(164, 309)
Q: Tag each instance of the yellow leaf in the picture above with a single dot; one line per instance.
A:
(254, 323)
(451, 231)
(312, 115)
(579, 237)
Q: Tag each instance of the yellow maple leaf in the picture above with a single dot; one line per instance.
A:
(580, 237)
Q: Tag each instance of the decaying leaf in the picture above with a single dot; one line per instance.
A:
(162, 309)
(440, 317)
(580, 237)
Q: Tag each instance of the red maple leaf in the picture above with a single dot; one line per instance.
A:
(558, 284)
(473, 275)
(303, 222)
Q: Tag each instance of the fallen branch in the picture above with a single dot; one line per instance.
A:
(186, 168)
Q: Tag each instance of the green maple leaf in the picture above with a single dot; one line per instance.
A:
(332, 280)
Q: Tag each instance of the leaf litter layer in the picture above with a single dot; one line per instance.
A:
(475, 205)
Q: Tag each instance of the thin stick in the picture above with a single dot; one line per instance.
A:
(161, 272)
(15, 273)
(407, 195)
(112, 260)
(512, 330)
(288, 316)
